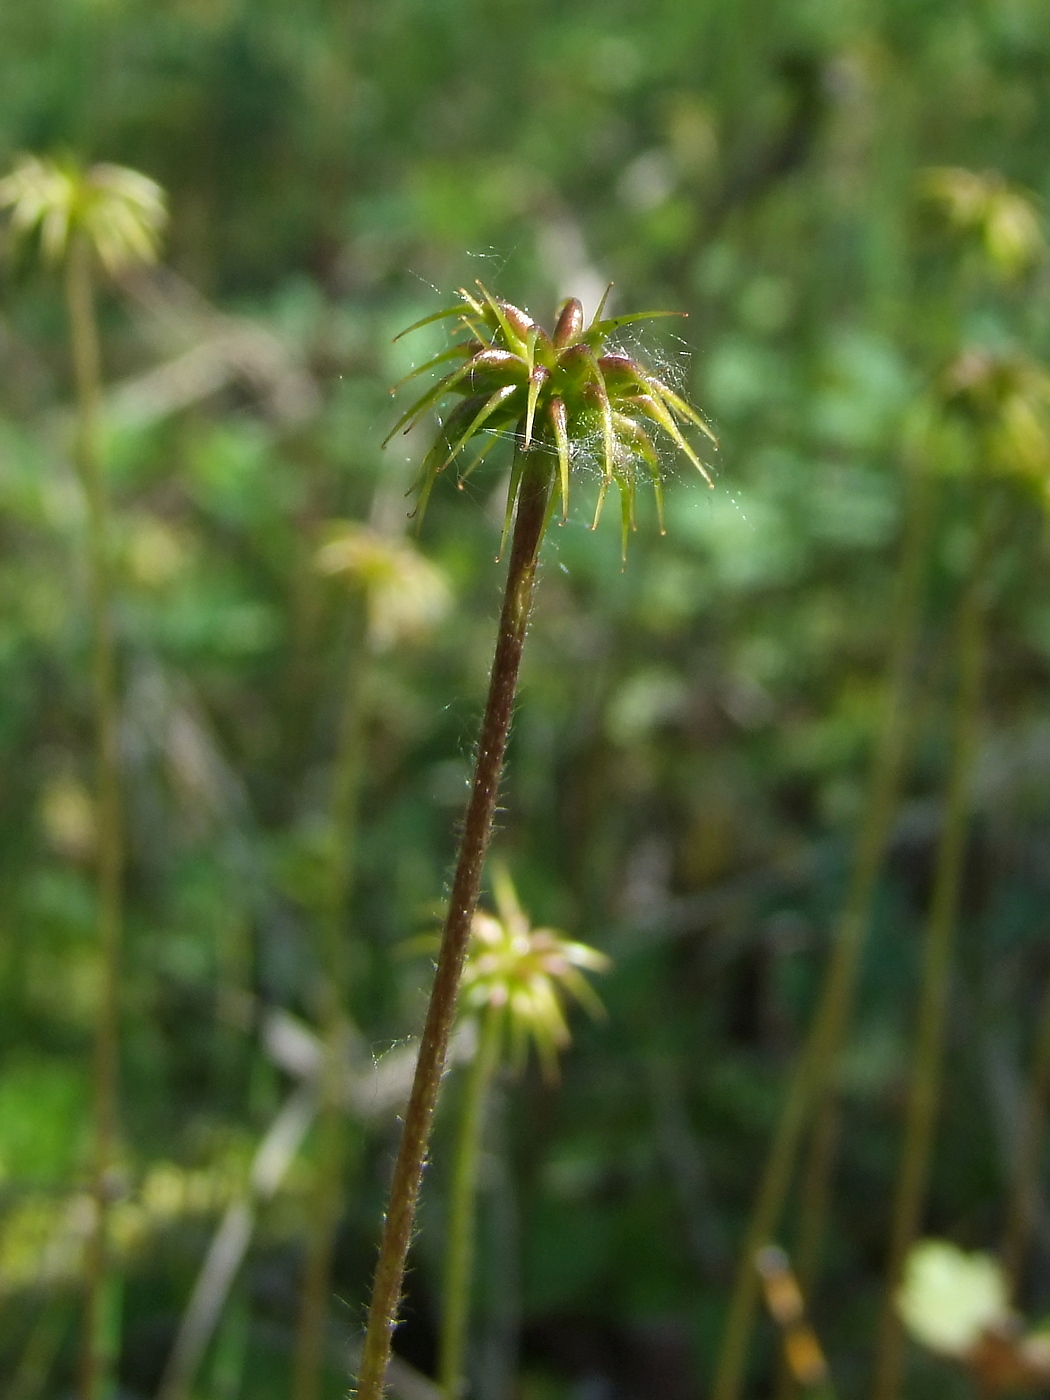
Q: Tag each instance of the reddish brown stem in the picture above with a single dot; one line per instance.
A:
(529, 525)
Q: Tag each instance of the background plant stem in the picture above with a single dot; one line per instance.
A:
(1024, 1196)
(813, 1071)
(273, 1157)
(814, 1199)
(529, 525)
(331, 1127)
(80, 303)
(913, 1175)
(459, 1238)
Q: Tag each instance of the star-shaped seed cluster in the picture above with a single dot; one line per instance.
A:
(120, 213)
(565, 393)
(528, 973)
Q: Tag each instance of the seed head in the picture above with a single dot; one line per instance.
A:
(529, 971)
(118, 212)
(565, 393)
(1004, 398)
(1003, 217)
(405, 594)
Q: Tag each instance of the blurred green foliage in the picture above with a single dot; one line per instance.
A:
(690, 756)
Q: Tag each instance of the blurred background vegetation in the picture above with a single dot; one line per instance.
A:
(690, 761)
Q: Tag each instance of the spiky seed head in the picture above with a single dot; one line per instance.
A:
(528, 973)
(566, 394)
(119, 213)
(1003, 217)
(405, 594)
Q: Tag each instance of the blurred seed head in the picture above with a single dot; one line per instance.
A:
(68, 817)
(119, 213)
(156, 553)
(1003, 217)
(528, 972)
(1004, 398)
(405, 594)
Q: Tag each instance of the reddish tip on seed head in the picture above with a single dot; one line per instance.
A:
(569, 324)
(519, 321)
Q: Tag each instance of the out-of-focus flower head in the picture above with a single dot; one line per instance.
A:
(529, 972)
(405, 594)
(1003, 217)
(563, 392)
(119, 213)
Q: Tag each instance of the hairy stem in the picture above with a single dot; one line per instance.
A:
(1024, 1197)
(529, 524)
(331, 1127)
(813, 1072)
(916, 1156)
(80, 303)
(459, 1240)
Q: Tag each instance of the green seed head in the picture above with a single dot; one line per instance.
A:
(119, 213)
(565, 394)
(528, 972)
(405, 594)
(1003, 217)
(1003, 398)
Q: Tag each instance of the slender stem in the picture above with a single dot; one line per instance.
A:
(815, 1189)
(815, 1065)
(80, 303)
(34, 1368)
(914, 1171)
(533, 499)
(324, 1208)
(813, 1203)
(229, 1244)
(331, 1127)
(1025, 1194)
(459, 1239)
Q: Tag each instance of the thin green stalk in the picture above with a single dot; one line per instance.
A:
(814, 1068)
(271, 1161)
(813, 1207)
(459, 1239)
(914, 1171)
(815, 1191)
(531, 517)
(96, 1361)
(332, 1138)
(1024, 1197)
(42, 1347)
(324, 1210)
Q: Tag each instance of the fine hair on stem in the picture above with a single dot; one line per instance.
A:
(531, 516)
